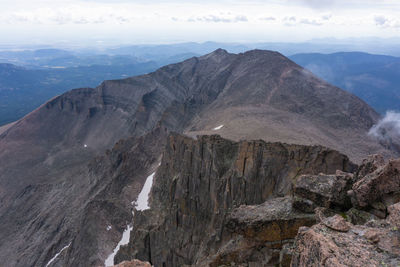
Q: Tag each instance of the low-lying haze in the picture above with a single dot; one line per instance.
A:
(171, 21)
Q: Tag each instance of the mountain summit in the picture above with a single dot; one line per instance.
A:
(62, 173)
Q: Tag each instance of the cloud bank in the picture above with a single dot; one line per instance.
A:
(387, 130)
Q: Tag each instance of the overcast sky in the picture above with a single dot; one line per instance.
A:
(171, 21)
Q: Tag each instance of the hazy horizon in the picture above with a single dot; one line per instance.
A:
(106, 22)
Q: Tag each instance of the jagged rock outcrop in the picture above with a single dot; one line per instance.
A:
(133, 263)
(380, 186)
(329, 191)
(344, 244)
(356, 216)
(273, 221)
(252, 199)
(370, 164)
(363, 235)
(259, 232)
(394, 215)
(200, 181)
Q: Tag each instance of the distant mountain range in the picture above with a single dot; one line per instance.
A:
(70, 170)
(28, 78)
(31, 77)
(373, 78)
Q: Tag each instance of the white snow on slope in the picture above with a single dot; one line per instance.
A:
(124, 240)
(55, 257)
(142, 202)
(218, 128)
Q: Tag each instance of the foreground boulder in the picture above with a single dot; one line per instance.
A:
(259, 232)
(329, 191)
(273, 221)
(381, 186)
(343, 244)
(133, 263)
(336, 240)
(394, 215)
(370, 164)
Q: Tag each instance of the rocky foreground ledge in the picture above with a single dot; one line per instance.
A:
(364, 234)
(133, 263)
(216, 202)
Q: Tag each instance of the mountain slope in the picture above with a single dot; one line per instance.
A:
(56, 191)
(23, 90)
(373, 78)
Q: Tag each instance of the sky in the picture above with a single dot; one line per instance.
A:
(172, 21)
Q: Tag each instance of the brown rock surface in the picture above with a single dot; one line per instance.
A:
(329, 191)
(370, 164)
(273, 221)
(394, 214)
(377, 245)
(356, 216)
(337, 223)
(382, 185)
(133, 263)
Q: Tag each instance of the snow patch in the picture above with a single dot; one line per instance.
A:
(142, 202)
(218, 127)
(124, 241)
(55, 257)
(109, 228)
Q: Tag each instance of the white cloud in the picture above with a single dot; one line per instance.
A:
(387, 130)
(386, 22)
(326, 17)
(345, 4)
(294, 21)
(311, 22)
(268, 18)
(195, 20)
(318, 4)
(380, 20)
(219, 18)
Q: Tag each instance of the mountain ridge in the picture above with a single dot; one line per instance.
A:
(47, 157)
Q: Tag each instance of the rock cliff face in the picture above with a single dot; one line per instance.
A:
(199, 184)
(217, 202)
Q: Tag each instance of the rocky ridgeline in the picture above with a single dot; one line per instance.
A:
(356, 227)
(215, 202)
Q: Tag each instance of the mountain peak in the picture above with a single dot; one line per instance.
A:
(220, 51)
(218, 54)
